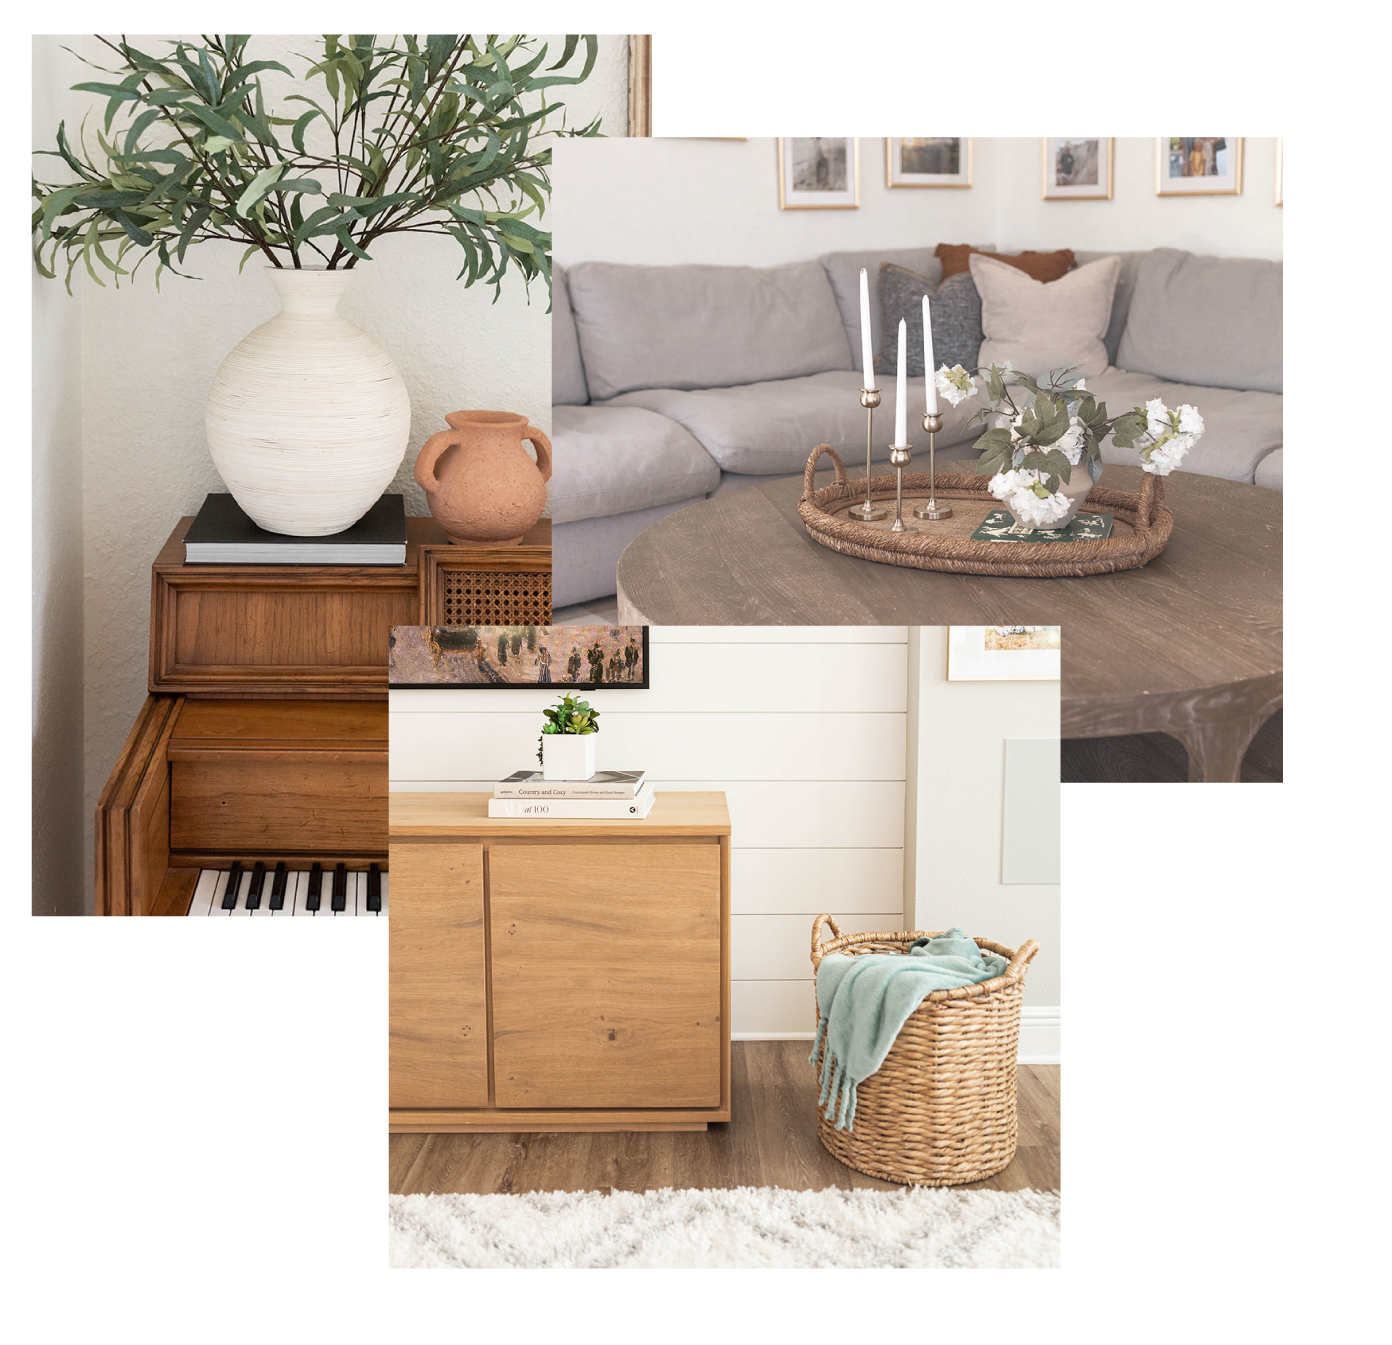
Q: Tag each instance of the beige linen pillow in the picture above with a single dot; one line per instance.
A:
(1039, 327)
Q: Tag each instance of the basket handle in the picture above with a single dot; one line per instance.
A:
(817, 924)
(1024, 955)
(809, 479)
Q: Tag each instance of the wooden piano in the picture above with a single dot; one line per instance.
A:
(254, 780)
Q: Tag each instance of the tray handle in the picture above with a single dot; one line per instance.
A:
(817, 936)
(1151, 498)
(809, 480)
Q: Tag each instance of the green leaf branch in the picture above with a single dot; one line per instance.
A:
(441, 134)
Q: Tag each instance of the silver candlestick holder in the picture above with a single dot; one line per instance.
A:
(869, 512)
(932, 422)
(899, 458)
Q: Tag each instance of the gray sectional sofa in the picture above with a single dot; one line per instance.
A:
(674, 383)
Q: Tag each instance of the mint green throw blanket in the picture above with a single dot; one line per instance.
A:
(865, 1000)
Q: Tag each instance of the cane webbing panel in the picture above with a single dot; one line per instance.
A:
(496, 598)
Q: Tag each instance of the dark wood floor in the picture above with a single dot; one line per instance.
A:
(1157, 758)
(772, 1141)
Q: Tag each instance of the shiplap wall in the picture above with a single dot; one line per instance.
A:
(804, 728)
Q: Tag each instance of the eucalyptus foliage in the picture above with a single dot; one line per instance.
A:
(426, 135)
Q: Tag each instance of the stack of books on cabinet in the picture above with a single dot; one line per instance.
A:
(616, 794)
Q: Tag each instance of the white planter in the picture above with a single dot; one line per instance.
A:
(567, 756)
(308, 417)
(1074, 490)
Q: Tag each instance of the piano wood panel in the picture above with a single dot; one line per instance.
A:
(290, 802)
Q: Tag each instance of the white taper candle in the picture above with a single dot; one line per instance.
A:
(901, 394)
(866, 359)
(930, 365)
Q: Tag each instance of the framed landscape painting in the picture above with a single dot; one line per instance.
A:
(1198, 165)
(818, 172)
(497, 657)
(928, 161)
(1077, 169)
(1003, 653)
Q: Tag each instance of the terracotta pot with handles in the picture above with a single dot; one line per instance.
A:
(482, 487)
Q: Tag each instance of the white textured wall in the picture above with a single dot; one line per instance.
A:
(667, 200)
(148, 358)
(956, 800)
(56, 698)
(804, 730)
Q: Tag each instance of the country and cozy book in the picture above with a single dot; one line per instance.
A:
(601, 785)
(574, 809)
(222, 534)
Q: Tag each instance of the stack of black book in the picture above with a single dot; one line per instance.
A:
(222, 534)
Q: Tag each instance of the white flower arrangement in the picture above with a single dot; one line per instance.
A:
(955, 384)
(1032, 448)
(1026, 496)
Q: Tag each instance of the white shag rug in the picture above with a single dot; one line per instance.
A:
(747, 1228)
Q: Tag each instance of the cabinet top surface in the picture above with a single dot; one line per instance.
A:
(442, 814)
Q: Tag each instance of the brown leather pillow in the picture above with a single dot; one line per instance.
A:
(1045, 266)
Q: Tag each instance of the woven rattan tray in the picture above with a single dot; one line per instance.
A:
(1141, 529)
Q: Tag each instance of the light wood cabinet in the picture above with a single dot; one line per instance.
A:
(597, 951)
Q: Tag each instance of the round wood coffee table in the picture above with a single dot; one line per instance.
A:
(1190, 645)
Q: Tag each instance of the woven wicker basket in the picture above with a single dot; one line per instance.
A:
(940, 1110)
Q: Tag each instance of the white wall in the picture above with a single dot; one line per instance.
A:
(955, 807)
(56, 706)
(665, 201)
(804, 730)
(147, 360)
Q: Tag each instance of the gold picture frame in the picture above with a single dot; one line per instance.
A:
(1278, 171)
(897, 175)
(1179, 173)
(1060, 153)
(640, 84)
(834, 160)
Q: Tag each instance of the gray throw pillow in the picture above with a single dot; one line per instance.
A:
(956, 310)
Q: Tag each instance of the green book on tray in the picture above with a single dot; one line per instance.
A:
(1000, 527)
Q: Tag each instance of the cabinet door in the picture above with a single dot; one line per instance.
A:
(606, 974)
(439, 1038)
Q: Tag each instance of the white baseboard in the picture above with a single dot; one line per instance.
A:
(1040, 1034)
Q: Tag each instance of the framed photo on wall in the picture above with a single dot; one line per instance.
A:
(1077, 169)
(1003, 653)
(1198, 165)
(818, 172)
(928, 161)
(507, 657)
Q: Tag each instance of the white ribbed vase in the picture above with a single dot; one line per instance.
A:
(308, 417)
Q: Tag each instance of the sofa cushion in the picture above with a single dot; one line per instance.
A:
(843, 270)
(1044, 266)
(703, 326)
(767, 428)
(1268, 471)
(1240, 428)
(612, 460)
(567, 371)
(1040, 327)
(1211, 321)
(956, 316)
(1121, 300)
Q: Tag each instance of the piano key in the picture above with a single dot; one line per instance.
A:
(278, 886)
(294, 892)
(229, 891)
(386, 882)
(258, 881)
(374, 889)
(340, 887)
(314, 891)
(202, 901)
(240, 894)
